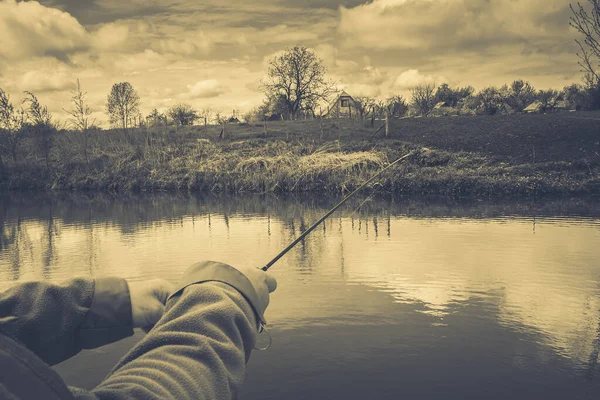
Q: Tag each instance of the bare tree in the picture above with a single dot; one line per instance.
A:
(42, 129)
(423, 98)
(549, 99)
(80, 118)
(588, 24)
(122, 105)
(396, 106)
(298, 77)
(362, 105)
(13, 123)
(520, 94)
(183, 114)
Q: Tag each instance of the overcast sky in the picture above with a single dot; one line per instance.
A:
(213, 53)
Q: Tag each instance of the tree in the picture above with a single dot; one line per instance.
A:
(42, 129)
(452, 96)
(548, 98)
(588, 24)
(80, 118)
(298, 77)
(520, 94)
(122, 105)
(12, 122)
(423, 98)
(183, 114)
(396, 106)
(154, 118)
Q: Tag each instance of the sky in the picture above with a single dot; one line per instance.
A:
(213, 54)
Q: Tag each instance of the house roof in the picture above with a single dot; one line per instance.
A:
(535, 106)
(440, 105)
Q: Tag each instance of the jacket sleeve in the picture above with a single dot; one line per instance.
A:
(58, 321)
(198, 350)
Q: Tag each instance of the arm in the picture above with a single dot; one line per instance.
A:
(58, 321)
(200, 346)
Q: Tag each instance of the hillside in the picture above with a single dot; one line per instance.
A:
(457, 156)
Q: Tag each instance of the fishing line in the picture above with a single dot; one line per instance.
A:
(324, 217)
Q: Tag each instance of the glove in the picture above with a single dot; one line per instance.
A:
(253, 283)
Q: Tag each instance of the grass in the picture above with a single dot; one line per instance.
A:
(508, 156)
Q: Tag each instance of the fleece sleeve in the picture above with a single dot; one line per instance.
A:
(56, 321)
(198, 350)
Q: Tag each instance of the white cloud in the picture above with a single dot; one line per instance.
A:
(205, 89)
(411, 78)
(29, 29)
(463, 24)
(54, 79)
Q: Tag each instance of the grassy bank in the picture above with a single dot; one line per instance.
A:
(457, 157)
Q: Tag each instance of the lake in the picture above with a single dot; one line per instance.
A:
(410, 298)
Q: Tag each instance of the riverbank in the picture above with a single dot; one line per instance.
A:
(507, 156)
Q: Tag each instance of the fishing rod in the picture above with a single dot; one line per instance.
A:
(338, 205)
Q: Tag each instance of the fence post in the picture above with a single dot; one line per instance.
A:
(265, 125)
(387, 124)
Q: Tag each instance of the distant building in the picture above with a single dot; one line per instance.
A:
(233, 120)
(441, 105)
(534, 107)
(343, 106)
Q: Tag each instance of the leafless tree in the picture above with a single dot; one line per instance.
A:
(80, 118)
(396, 106)
(549, 99)
(12, 122)
(363, 105)
(122, 105)
(520, 94)
(298, 77)
(588, 24)
(183, 114)
(42, 128)
(423, 98)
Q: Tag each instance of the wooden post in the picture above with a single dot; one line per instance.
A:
(321, 122)
(387, 124)
(205, 123)
(265, 125)
(372, 116)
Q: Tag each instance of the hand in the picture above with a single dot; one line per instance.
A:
(263, 283)
(148, 300)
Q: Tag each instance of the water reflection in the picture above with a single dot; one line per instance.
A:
(484, 277)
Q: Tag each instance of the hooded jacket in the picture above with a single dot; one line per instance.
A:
(198, 349)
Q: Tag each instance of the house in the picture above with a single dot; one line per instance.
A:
(342, 107)
(233, 120)
(441, 105)
(534, 107)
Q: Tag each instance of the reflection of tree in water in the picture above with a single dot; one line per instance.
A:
(593, 361)
(48, 238)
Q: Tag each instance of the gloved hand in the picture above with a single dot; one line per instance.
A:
(263, 283)
(251, 282)
(148, 300)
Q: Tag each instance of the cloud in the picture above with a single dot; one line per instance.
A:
(411, 78)
(453, 24)
(205, 89)
(358, 90)
(48, 80)
(29, 29)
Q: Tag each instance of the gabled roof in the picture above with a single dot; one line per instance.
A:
(334, 102)
(440, 105)
(535, 106)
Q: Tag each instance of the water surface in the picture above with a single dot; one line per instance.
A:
(410, 299)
